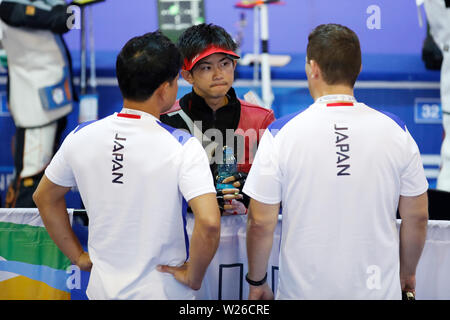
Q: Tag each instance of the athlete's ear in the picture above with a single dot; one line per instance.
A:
(187, 75)
(315, 69)
(162, 90)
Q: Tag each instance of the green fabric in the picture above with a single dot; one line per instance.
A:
(29, 244)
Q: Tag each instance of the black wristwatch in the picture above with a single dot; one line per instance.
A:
(256, 283)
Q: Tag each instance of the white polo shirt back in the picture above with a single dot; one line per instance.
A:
(135, 176)
(338, 168)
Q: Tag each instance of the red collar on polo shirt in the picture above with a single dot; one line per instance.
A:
(337, 100)
(340, 104)
(128, 115)
(134, 114)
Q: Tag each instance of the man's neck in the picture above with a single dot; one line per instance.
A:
(215, 103)
(332, 90)
(146, 106)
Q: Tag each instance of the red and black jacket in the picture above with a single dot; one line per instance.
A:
(248, 121)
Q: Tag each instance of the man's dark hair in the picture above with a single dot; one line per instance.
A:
(146, 62)
(197, 38)
(337, 51)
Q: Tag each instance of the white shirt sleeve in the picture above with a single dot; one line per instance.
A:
(59, 170)
(195, 178)
(413, 179)
(264, 180)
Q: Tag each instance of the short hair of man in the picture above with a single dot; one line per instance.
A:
(196, 39)
(337, 51)
(146, 62)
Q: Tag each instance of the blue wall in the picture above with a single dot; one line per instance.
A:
(391, 53)
(116, 21)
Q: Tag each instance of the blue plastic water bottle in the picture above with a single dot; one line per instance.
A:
(226, 169)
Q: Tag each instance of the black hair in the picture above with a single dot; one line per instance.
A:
(197, 38)
(146, 62)
(337, 51)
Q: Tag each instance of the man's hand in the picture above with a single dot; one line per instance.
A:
(181, 274)
(408, 283)
(84, 262)
(231, 201)
(204, 242)
(262, 292)
(225, 199)
(238, 180)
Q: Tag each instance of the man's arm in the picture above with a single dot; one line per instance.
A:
(204, 242)
(261, 223)
(49, 198)
(413, 231)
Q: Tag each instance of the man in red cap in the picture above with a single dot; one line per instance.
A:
(213, 113)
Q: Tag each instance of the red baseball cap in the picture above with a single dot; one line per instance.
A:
(188, 65)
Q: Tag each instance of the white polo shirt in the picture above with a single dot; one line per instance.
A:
(135, 176)
(338, 169)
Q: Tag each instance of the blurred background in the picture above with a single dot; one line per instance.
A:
(392, 34)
